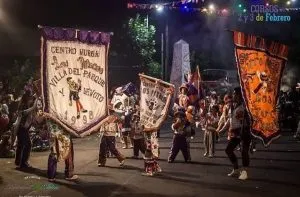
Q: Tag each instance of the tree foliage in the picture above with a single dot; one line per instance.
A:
(19, 72)
(143, 41)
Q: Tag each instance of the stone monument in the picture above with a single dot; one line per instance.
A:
(180, 65)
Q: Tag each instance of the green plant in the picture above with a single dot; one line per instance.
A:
(142, 37)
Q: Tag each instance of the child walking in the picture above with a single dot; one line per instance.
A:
(211, 125)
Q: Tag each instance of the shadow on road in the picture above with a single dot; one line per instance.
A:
(285, 183)
(237, 188)
(264, 159)
(104, 189)
(125, 167)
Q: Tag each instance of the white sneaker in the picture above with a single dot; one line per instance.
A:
(205, 154)
(159, 169)
(122, 163)
(147, 174)
(243, 175)
(73, 178)
(233, 173)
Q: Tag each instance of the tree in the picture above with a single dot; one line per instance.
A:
(19, 73)
(143, 41)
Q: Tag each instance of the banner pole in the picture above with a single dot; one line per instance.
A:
(155, 79)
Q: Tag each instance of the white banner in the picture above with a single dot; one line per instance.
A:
(155, 102)
(76, 85)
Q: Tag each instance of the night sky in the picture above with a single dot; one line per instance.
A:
(19, 20)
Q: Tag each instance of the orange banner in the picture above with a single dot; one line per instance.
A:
(260, 77)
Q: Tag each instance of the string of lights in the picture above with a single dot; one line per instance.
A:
(188, 6)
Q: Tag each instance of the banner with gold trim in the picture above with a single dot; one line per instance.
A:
(260, 66)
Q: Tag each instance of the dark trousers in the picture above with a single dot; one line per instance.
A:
(69, 164)
(232, 144)
(188, 144)
(139, 145)
(108, 143)
(23, 147)
(179, 143)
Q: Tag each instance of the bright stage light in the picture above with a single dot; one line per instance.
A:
(211, 7)
(159, 8)
(288, 2)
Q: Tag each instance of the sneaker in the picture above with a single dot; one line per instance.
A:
(233, 173)
(101, 165)
(147, 174)
(210, 156)
(125, 147)
(83, 110)
(158, 169)
(51, 180)
(134, 157)
(243, 175)
(205, 154)
(170, 161)
(73, 178)
(131, 146)
(254, 149)
(122, 163)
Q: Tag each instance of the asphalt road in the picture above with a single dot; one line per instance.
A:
(274, 172)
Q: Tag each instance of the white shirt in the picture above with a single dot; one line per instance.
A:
(236, 117)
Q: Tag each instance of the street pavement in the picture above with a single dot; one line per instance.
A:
(274, 172)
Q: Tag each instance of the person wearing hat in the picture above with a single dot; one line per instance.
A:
(137, 133)
(108, 130)
(183, 99)
(179, 137)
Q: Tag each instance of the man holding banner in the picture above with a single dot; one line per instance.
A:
(239, 132)
(260, 66)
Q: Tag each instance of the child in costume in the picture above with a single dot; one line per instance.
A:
(126, 129)
(138, 136)
(108, 132)
(61, 150)
(179, 138)
(190, 127)
(183, 99)
(151, 165)
(212, 119)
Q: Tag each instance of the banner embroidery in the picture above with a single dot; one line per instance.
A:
(260, 77)
(74, 81)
